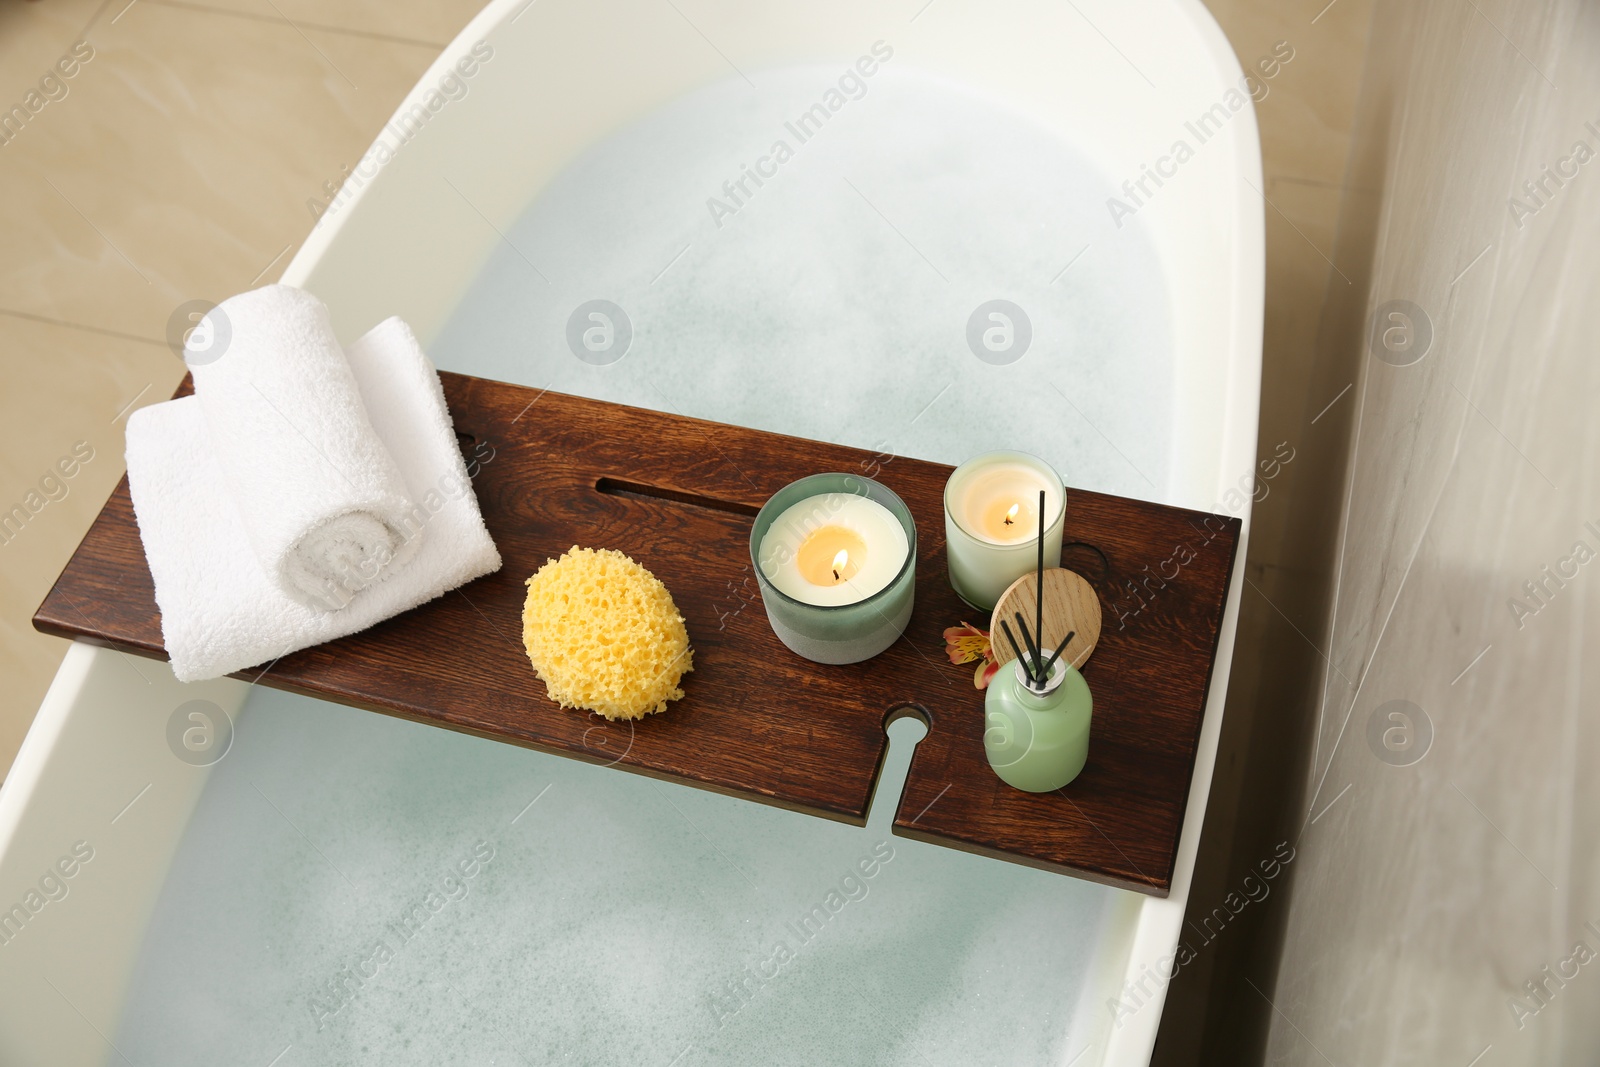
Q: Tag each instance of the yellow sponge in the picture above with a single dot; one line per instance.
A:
(604, 634)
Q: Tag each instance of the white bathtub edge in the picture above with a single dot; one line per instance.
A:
(1160, 920)
(96, 788)
(21, 783)
(326, 229)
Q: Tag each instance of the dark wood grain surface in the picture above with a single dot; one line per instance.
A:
(757, 721)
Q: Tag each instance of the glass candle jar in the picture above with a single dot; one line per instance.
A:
(836, 558)
(991, 523)
(1037, 737)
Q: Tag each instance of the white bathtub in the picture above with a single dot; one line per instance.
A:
(417, 236)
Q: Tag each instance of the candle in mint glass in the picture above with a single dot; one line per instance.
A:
(835, 556)
(991, 523)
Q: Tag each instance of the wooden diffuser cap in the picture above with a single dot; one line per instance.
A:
(1070, 603)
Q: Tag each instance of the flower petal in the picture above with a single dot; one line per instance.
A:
(985, 673)
(964, 650)
(966, 643)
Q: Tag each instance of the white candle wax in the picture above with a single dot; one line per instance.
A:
(833, 549)
(999, 503)
(992, 523)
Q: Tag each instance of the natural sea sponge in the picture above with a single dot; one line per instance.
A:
(604, 634)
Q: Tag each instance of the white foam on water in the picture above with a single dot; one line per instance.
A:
(612, 924)
(834, 304)
(618, 915)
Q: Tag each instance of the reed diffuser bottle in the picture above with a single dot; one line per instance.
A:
(1036, 714)
(1037, 731)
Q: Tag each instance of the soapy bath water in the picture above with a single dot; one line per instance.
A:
(358, 889)
(321, 902)
(834, 303)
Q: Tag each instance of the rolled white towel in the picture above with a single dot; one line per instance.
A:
(220, 611)
(323, 504)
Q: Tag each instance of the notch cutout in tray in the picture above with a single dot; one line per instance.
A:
(639, 490)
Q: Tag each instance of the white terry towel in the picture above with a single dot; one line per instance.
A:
(220, 611)
(323, 503)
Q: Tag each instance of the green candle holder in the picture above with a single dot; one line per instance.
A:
(838, 633)
(1037, 738)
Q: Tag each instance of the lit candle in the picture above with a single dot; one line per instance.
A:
(835, 557)
(991, 518)
(834, 548)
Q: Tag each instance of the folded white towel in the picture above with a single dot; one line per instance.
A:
(220, 611)
(323, 503)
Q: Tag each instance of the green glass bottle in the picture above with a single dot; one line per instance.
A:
(1037, 737)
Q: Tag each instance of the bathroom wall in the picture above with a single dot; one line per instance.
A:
(1417, 723)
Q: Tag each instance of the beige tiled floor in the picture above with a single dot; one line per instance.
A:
(177, 166)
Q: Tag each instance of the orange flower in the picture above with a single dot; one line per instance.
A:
(966, 643)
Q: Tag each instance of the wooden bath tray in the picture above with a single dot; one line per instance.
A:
(679, 495)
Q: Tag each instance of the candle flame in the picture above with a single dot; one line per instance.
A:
(1011, 516)
(841, 560)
